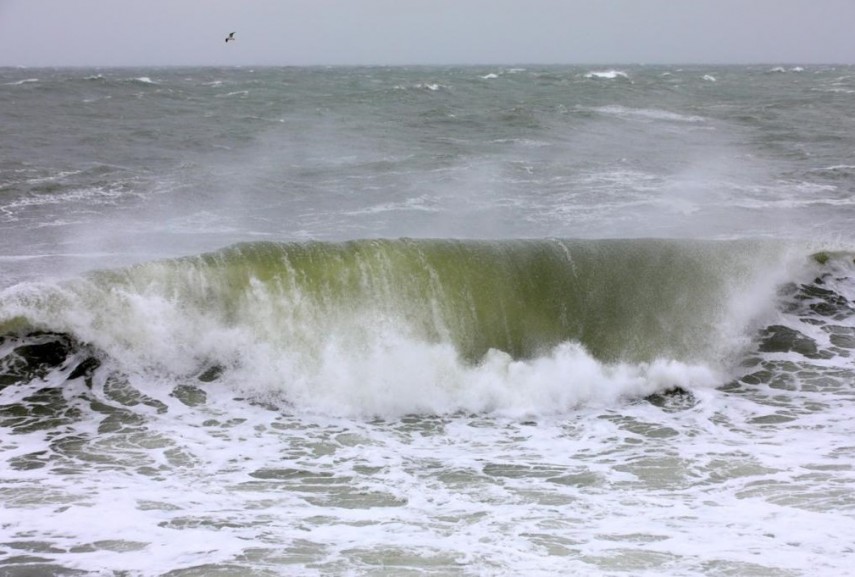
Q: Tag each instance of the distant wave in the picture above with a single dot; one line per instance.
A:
(422, 86)
(781, 69)
(100, 194)
(235, 93)
(430, 86)
(607, 74)
(20, 82)
(648, 113)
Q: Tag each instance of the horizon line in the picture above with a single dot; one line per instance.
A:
(428, 65)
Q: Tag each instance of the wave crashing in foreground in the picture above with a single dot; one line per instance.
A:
(400, 326)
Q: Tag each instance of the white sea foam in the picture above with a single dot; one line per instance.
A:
(541, 466)
(630, 488)
(839, 167)
(235, 93)
(79, 195)
(21, 82)
(709, 78)
(649, 113)
(781, 69)
(59, 175)
(421, 203)
(98, 99)
(372, 368)
(607, 74)
(398, 376)
(429, 86)
(526, 142)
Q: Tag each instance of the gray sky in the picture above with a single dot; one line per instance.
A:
(307, 32)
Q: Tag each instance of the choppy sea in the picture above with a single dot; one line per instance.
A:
(462, 321)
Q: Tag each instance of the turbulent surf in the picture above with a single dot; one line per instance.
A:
(463, 321)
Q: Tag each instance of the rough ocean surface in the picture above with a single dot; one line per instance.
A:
(427, 321)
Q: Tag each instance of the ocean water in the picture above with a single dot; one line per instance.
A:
(427, 321)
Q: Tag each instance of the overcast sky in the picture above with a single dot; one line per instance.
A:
(309, 32)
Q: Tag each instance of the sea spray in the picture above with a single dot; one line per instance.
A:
(395, 326)
(218, 415)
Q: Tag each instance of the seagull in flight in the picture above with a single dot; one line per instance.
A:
(230, 37)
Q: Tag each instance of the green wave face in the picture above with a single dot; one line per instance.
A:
(628, 301)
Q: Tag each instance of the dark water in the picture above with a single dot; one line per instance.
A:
(435, 321)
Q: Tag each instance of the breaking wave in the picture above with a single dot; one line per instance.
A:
(401, 326)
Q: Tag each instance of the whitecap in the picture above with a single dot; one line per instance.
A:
(236, 93)
(648, 113)
(421, 86)
(606, 74)
(78, 195)
(837, 167)
(522, 142)
(21, 82)
(709, 78)
(490, 76)
(420, 204)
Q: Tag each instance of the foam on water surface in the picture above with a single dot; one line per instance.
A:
(395, 384)
(206, 482)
